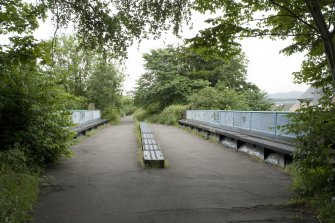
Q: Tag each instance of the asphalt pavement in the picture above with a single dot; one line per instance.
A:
(204, 182)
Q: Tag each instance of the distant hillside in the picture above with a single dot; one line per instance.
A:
(286, 95)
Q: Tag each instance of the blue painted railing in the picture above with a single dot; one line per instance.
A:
(256, 121)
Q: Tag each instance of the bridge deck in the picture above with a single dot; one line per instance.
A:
(204, 182)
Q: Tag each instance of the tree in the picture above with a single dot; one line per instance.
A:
(104, 85)
(308, 23)
(211, 98)
(175, 73)
(115, 25)
(73, 65)
(165, 82)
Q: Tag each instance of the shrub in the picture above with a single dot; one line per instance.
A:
(313, 170)
(170, 115)
(112, 114)
(140, 114)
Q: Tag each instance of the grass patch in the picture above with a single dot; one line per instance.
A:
(19, 187)
(139, 142)
(89, 133)
(194, 132)
(213, 139)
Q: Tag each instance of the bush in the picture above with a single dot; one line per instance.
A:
(140, 114)
(170, 115)
(112, 114)
(307, 182)
(313, 169)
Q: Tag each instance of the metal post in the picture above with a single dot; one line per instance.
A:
(276, 114)
(250, 121)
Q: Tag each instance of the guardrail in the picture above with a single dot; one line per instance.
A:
(256, 121)
(84, 116)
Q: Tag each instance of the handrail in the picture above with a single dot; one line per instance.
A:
(264, 122)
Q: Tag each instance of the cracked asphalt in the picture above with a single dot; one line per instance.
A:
(204, 182)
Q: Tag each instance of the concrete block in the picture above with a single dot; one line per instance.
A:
(229, 142)
(252, 150)
(276, 159)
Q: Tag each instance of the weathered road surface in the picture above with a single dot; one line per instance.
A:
(203, 183)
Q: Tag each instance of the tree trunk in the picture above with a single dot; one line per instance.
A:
(325, 33)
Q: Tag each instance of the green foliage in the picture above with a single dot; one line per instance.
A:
(114, 25)
(104, 86)
(173, 74)
(33, 114)
(170, 115)
(88, 75)
(127, 106)
(316, 136)
(310, 185)
(212, 98)
(72, 65)
(308, 24)
(257, 100)
(140, 114)
(18, 187)
(19, 16)
(112, 114)
(313, 169)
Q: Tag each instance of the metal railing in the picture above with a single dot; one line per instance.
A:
(84, 116)
(257, 121)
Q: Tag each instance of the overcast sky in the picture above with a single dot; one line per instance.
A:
(269, 70)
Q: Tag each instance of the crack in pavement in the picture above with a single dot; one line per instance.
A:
(278, 207)
(262, 220)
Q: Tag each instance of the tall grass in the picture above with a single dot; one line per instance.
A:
(19, 187)
(307, 187)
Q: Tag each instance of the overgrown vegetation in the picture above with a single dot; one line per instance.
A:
(170, 115)
(36, 90)
(313, 170)
(19, 186)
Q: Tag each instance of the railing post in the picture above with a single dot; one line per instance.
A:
(276, 118)
(250, 121)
